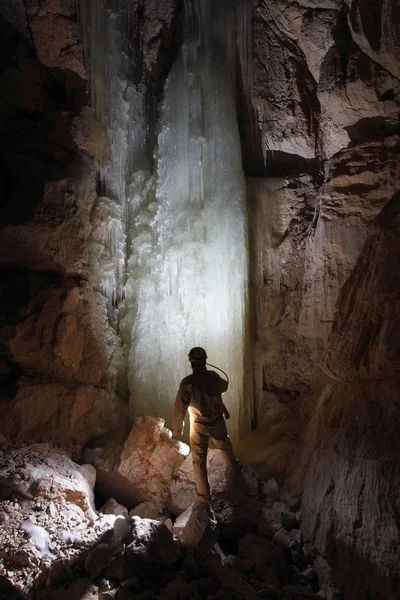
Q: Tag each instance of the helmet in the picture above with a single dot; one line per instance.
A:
(197, 355)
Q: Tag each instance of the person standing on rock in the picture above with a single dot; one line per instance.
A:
(201, 394)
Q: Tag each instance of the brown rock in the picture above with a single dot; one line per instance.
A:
(231, 581)
(64, 414)
(55, 31)
(145, 510)
(112, 507)
(83, 589)
(197, 527)
(365, 338)
(353, 469)
(137, 463)
(98, 559)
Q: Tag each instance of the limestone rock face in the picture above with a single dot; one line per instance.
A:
(136, 463)
(326, 97)
(59, 356)
(350, 509)
(55, 32)
(354, 470)
(318, 84)
(69, 415)
(365, 339)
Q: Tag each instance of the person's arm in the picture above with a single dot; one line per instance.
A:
(225, 412)
(180, 409)
(223, 384)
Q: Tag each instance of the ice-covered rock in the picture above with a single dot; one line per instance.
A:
(270, 488)
(39, 536)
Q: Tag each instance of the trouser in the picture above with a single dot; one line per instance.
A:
(200, 433)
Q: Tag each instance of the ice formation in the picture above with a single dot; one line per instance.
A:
(172, 258)
(120, 106)
(39, 536)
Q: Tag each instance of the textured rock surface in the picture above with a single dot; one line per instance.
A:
(350, 506)
(350, 503)
(39, 472)
(58, 355)
(365, 338)
(196, 527)
(136, 463)
(327, 106)
(52, 549)
(68, 415)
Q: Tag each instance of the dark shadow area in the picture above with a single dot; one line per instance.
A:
(7, 590)
(372, 128)
(37, 105)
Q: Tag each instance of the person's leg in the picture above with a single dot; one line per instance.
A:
(223, 443)
(199, 447)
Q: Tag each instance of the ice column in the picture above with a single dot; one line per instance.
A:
(120, 106)
(187, 272)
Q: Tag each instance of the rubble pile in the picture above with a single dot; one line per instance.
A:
(55, 545)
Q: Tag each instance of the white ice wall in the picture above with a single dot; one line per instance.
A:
(178, 254)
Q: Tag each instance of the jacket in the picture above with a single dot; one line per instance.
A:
(201, 394)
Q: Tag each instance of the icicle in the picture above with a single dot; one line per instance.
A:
(170, 250)
(119, 105)
(188, 269)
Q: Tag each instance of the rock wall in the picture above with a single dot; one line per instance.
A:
(57, 353)
(326, 100)
(350, 503)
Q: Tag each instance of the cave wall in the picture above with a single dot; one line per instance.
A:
(57, 376)
(320, 151)
(325, 279)
(326, 100)
(62, 365)
(351, 509)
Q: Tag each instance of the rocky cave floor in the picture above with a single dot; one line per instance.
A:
(55, 544)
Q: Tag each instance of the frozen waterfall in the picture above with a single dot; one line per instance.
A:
(183, 228)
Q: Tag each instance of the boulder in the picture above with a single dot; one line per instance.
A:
(145, 510)
(135, 463)
(236, 498)
(152, 544)
(270, 488)
(262, 551)
(112, 507)
(197, 527)
(98, 558)
(41, 472)
(231, 581)
(83, 589)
